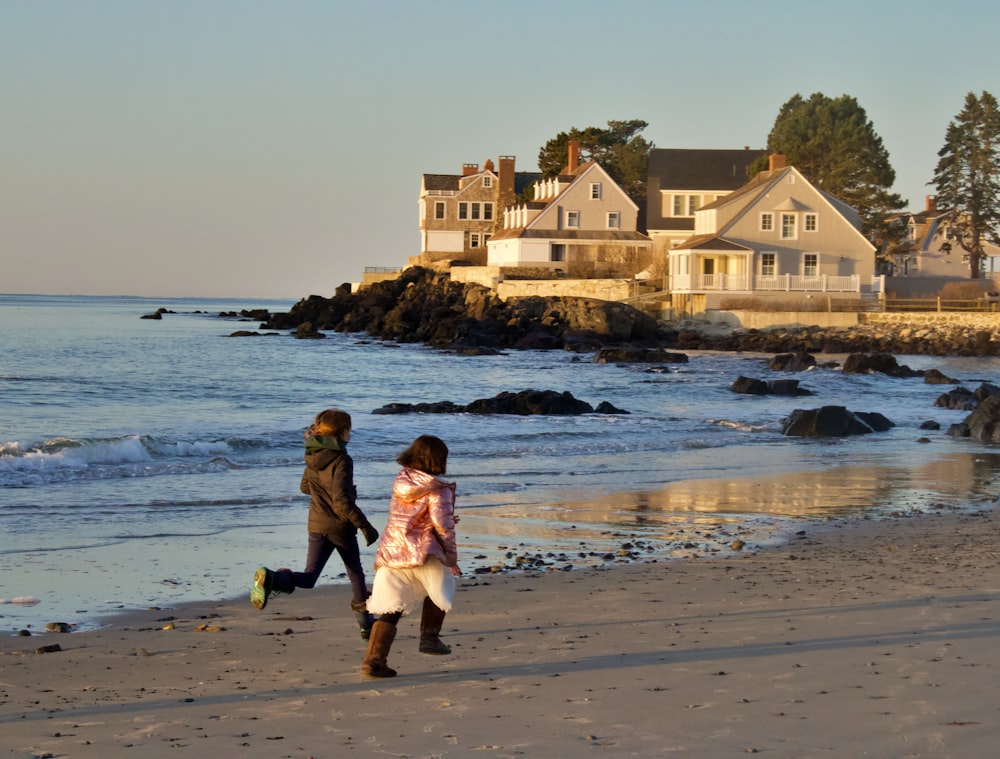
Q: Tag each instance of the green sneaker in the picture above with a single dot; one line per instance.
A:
(262, 580)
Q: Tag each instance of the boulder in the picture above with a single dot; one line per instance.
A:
(935, 377)
(832, 421)
(880, 363)
(523, 403)
(959, 398)
(983, 424)
(799, 361)
(633, 355)
(751, 386)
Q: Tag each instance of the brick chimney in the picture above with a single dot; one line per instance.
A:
(505, 179)
(775, 161)
(930, 203)
(468, 169)
(574, 156)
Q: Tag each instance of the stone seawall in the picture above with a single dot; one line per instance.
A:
(929, 333)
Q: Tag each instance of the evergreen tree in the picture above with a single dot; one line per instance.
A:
(835, 146)
(619, 149)
(967, 176)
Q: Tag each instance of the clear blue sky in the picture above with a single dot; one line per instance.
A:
(274, 149)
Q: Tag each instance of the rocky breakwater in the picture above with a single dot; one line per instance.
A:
(900, 334)
(423, 306)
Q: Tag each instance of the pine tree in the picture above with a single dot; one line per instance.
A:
(967, 176)
(835, 146)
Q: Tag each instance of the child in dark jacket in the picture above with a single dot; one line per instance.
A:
(334, 518)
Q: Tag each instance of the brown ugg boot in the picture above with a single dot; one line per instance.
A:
(431, 620)
(379, 643)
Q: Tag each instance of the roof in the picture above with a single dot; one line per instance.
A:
(720, 170)
(441, 182)
(610, 235)
(712, 242)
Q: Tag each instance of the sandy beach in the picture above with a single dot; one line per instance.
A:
(875, 638)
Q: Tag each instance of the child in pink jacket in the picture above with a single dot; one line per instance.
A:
(417, 560)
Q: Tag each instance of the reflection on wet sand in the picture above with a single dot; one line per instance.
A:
(953, 479)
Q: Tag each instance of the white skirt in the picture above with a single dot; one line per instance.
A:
(405, 589)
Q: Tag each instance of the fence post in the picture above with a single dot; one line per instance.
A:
(939, 304)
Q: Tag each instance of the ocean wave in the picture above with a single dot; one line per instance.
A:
(741, 426)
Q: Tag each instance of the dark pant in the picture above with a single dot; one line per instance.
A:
(319, 552)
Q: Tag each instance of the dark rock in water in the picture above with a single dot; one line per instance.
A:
(959, 398)
(878, 422)
(832, 421)
(881, 363)
(523, 403)
(792, 362)
(528, 402)
(542, 341)
(631, 355)
(749, 386)
(983, 424)
(787, 387)
(934, 377)
(306, 331)
(156, 315)
(985, 390)
(930, 424)
(607, 408)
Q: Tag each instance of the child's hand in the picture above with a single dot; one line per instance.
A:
(370, 533)
(456, 571)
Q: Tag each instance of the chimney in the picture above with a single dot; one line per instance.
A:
(574, 156)
(468, 169)
(776, 161)
(930, 203)
(505, 176)
(488, 165)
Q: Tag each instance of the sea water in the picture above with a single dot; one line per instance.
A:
(151, 462)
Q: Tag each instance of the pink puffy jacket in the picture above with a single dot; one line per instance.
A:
(421, 522)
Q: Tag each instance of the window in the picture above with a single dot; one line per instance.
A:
(614, 220)
(595, 191)
(557, 252)
(487, 211)
(463, 210)
(487, 181)
(811, 223)
(678, 205)
(788, 226)
(766, 222)
(475, 211)
(475, 239)
(810, 264)
(573, 219)
(767, 268)
(693, 202)
(439, 209)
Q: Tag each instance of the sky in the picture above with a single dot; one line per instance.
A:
(247, 149)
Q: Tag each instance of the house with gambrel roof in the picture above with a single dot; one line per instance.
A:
(580, 224)
(776, 237)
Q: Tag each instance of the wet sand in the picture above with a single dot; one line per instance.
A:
(871, 638)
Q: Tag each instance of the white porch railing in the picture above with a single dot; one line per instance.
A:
(821, 283)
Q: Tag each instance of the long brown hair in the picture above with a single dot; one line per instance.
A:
(427, 454)
(330, 423)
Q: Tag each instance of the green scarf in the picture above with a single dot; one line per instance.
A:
(314, 444)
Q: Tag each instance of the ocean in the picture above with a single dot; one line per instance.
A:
(148, 463)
